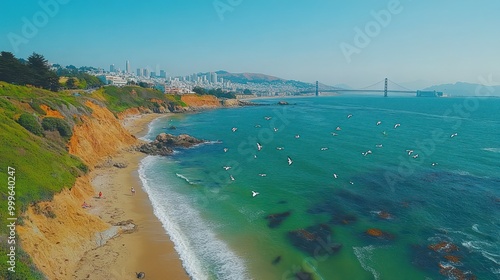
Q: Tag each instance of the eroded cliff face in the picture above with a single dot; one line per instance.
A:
(56, 234)
(99, 135)
(200, 101)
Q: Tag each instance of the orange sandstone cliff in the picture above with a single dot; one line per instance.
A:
(200, 101)
(56, 234)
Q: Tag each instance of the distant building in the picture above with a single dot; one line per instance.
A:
(145, 72)
(163, 74)
(153, 75)
(112, 68)
(213, 77)
(429, 93)
(127, 67)
(139, 72)
(112, 80)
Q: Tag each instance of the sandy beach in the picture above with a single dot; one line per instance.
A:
(147, 248)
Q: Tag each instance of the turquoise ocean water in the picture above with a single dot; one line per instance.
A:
(310, 218)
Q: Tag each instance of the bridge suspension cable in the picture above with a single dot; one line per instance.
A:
(371, 85)
(400, 85)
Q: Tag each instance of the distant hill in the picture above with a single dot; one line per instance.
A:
(244, 78)
(466, 89)
(258, 78)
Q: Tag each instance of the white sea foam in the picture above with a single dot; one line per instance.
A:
(493, 150)
(364, 255)
(152, 124)
(184, 178)
(203, 254)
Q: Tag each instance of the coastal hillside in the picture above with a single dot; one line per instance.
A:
(53, 140)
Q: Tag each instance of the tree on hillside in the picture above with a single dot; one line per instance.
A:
(199, 90)
(71, 83)
(12, 70)
(43, 76)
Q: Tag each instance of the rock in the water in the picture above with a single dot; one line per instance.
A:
(164, 143)
(444, 246)
(314, 240)
(277, 260)
(377, 233)
(276, 219)
(303, 275)
(283, 103)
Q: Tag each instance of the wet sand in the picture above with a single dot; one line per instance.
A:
(147, 248)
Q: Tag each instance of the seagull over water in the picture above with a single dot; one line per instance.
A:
(338, 128)
(231, 177)
(257, 125)
(409, 152)
(334, 134)
(366, 153)
(267, 118)
(254, 193)
(453, 135)
(379, 146)
(225, 150)
(234, 129)
(280, 148)
(226, 167)
(290, 161)
(349, 116)
(379, 123)
(324, 148)
(297, 136)
(397, 125)
(259, 146)
(415, 156)
(262, 174)
(335, 175)
(275, 129)
(434, 163)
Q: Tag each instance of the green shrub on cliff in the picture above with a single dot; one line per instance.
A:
(30, 122)
(60, 125)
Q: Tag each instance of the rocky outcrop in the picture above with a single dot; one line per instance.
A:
(164, 143)
(274, 220)
(314, 240)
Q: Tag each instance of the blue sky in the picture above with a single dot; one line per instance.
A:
(424, 42)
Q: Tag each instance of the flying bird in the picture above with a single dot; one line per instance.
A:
(453, 135)
(234, 129)
(280, 148)
(231, 177)
(259, 146)
(397, 125)
(379, 123)
(415, 156)
(379, 146)
(225, 150)
(349, 116)
(409, 152)
(324, 149)
(338, 128)
(267, 118)
(254, 194)
(290, 161)
(275, 129)
(335, 175)
(226, 167)
(262, 174)
(297, 136)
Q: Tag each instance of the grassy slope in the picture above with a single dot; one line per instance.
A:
(42, 168)
(120, 99)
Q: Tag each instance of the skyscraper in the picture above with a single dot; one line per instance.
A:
(112, 68)
(163, 74)
(214, 77)
(127, 66)
(139, 72)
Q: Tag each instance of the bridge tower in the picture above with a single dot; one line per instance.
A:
(385, 88)
(317, 89)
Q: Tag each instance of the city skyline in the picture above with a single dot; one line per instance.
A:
(420, 43)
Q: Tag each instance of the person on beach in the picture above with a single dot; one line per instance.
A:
(132, 190)
(85, 205)
(100, 194)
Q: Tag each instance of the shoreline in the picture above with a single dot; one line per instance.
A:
(148, 247)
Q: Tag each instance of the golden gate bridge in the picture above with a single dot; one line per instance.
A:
(388, 87)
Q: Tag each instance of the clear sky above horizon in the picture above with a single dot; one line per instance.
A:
(414, 43)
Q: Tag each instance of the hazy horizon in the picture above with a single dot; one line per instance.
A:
(415, 44)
